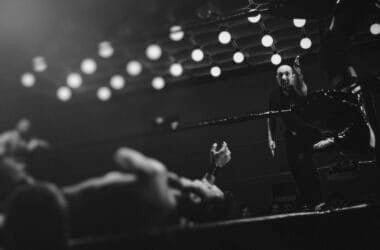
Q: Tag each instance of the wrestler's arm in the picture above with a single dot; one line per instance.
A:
(146, 176)
(218, 159)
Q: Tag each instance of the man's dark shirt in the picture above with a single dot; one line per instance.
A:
(279, 101)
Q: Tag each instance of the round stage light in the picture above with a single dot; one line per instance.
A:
(254, 19)
(197, 55)
(176, 69)
(158, 83)
(88, 66)
(267, 40)
(153, 52)
(224, 37)
(176, 33)
(39, 64)
(375, 29)
(276, 59)
(134, 68)
(117, 82)
(159, 120)
(215, 71)
(238, 57)
(105, 49)
(28, 80)
(74, 80)
(305, 43)
(299, 22)
(104, 93)
(64, 93)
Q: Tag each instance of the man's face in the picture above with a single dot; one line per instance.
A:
(283, 76)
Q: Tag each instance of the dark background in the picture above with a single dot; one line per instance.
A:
(86, 132)
(84, 135)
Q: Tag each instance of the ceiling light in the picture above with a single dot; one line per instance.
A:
(224, 37)
(215, 71)
(74, 80)
(64, 93)
(176, 33)
(158, 83)
(134, 68)
(267, 40)
(305, 43)
(238, 57)
(39, 64)
(28, 80)
(197, 55)
(104, 93)
(176, 69)
(254, 19)
(276, 59)
(299, 23)
(88, 66)
(117, 82)
(153, 52)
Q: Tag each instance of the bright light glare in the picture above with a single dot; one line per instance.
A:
(197, 55)
(159, 120)
(134, 68)
(158, 83)
(74, 80)
(254, 19)
(305, 43)
(224, 37)
(276, 59)
(104, 93)
(28, 80)
(39, 64)
(117, 82)
(375, 29)
(153, 52)
(88, 66)
(299, 23)
(238, 57)
(64, 93)
(215, 71)
(267, 40)
(176, 33)
(176, 69)
(105, 49)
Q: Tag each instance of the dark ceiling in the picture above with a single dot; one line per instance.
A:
(65, 32)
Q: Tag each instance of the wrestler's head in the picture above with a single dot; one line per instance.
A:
(283, 75)
(36, 218)
(23, 126)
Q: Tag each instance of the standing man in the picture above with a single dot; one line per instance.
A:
(299, 136)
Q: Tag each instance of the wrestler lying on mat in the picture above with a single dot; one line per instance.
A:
(142, 195)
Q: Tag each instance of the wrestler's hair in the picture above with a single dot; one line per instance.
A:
(36, 218)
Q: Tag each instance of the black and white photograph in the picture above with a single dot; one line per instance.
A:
(189, 124)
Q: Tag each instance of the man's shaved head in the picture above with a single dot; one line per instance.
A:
(23, 126)
(284, 68)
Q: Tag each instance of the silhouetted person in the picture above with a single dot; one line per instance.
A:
(16, 146)
(36, 219)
